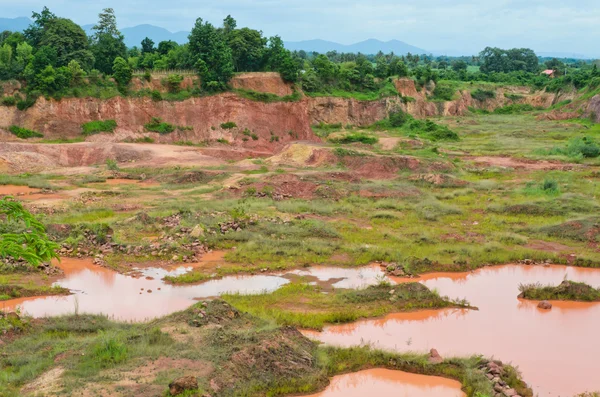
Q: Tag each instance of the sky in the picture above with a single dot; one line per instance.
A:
(569, 26)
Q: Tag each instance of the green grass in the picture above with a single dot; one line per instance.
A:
(98, 126)
(24, 133)
(567, 290)
(268, 97)
(353, 137)
(157, 125)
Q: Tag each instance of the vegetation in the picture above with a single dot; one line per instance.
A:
(157, 125)
(98, 126)
(567, 290)
(24, 133)
(22, 236)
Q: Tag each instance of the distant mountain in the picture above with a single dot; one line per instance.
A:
(134, 35)
(371, 46)
(14, 24)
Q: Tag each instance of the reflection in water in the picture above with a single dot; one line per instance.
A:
(101, 290)
(386, 383)
(556, 350)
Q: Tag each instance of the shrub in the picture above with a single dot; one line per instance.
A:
(355, 137)
(24, 133)
(112, 165)
(173, 82)
(550, 185)
(228, 125)
(8, 101)
(157, 125)
(156, 96)
(398, 118)
(443, 92)
(97, 126)
(27, 102)
(515, 108)
(147, 76)
(431, 130)
(483, 95)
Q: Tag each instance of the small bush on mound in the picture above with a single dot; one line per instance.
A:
(228, 125)
(8, 101)
(515, 108)
(585, 147)
(432, 131)
(98, 126)
(157, 125)
(567, 290)
(355, 137)
(24, 133)
(398, 118)
(483, 95)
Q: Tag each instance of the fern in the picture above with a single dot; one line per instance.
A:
(32, 244)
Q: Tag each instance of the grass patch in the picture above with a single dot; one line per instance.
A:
(24, 133)
(566, 291)
(98, 126)
(157, 125)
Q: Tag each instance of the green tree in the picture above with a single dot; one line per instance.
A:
(121, 72)
(247, 49)
(6, 54)
(22, 237)
(147, 45)
(207, 44)
(229, 25)
(165, 46)
(69, 40)
(77, 73)
(107, 41)
(381, 67)
(34, 33)
(24, 53)
(459, 66)
(279, 59)
(398, 67)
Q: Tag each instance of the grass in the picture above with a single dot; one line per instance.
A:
(566, 291)
(305, 306)
(157, 125)
(360, 137)
(98, 126)
(24, 133)
(92, 350)
(268, 97)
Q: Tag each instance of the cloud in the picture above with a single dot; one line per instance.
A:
(468, 25)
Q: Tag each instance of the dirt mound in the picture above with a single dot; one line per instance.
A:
(269, 82)
(406, 87)
(509, 162)
(302, 155)
(31, 157)
(282, 187)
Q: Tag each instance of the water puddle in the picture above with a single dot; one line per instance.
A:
(388, 383)
(143, 295)
(345, 277)
(13, 190)
(556, 350)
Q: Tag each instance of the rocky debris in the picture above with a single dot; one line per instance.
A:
(495, 372)
(214, 312)
(395, 269)
(545, 305)
(231, 226)
(434, 357)
(180, 385)
(531, 262)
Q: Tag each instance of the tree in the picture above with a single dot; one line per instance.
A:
(505, 61)
(147, 45)
(107, 42)
(69, 40)
(279, 59)
(77, 73)
(33, 34)
(459, 65)
(22, 237)
(207, 44)
(229, 25)
(247, 49)
(121, 72)
(555, 64)
(381, 66)
(6, 53)
(398, 67)
(165, 46)
(326, 70)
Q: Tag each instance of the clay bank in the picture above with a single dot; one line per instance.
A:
(555, 349)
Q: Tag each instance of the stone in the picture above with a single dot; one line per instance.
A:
(545, 305)
(182, 384)
(434, 357)
(498, 388)
(509, 392)
(197, 231)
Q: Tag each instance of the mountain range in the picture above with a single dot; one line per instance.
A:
(134, 35)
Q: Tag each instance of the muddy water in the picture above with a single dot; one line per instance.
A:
(13, 190)
(556, 350)
(145, 296)
(348, 277)
(386, 383)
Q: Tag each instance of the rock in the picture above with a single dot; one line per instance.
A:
(197, 231)
(434, 357)
(545, 305)
(498, 388)
(509, 392)
(182, 384)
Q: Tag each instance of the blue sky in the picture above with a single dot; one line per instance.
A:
(465, 25)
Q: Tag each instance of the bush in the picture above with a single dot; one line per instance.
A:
(8, 101)
(156, 96)
(431, 130)
(27, 102)
(398, 118)
(174, 82)
(97, 126)
(444, 92)
(157, 125)
(112, 165)
(24, 133)
(515, 108)
(483, 95)
(228, 125)
(355, 137)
